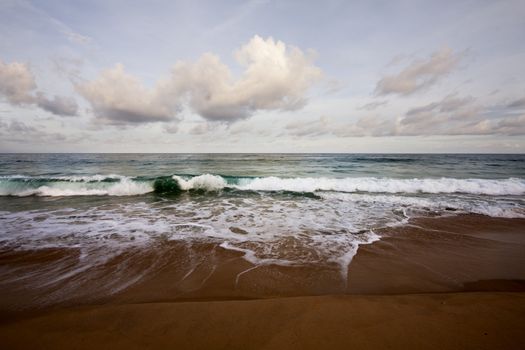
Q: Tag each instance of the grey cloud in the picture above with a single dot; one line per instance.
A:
(17, 127)
(369, 126)
(512, 125)
(449, 103)
(245, 127)
(420, 74)
(373, 105)
(18, 87)
(17, 131)
(200, 129)
(59, 105)
(321, 126)
(460, 116)
(452, 115)
(520, 103)
(275, 77)
(171, 128)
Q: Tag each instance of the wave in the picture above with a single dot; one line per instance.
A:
(512, 186)
(118, 185)
(66, 186)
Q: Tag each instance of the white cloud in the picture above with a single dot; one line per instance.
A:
(16, 83)
(18, 87)
(420, 74)
(275, 77)
(118, 97)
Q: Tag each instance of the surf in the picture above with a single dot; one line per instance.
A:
(120, 185)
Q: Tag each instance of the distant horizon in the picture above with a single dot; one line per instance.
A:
(364, 153)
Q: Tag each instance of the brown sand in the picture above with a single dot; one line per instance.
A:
(431, 321)
(453, 283)
(441, 255)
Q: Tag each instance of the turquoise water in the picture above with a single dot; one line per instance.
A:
(284, 209)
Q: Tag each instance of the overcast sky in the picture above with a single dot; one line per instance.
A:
(262, 76)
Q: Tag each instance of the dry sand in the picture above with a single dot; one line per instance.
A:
(447, 283)
(431, 321)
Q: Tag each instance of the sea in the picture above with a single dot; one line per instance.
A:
(274, 209)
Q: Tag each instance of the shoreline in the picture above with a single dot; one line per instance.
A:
(432, 254)
(454, 282)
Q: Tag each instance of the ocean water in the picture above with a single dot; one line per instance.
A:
(282, 209)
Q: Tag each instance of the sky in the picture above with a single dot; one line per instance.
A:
(262, 76)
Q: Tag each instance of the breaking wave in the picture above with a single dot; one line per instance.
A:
(118, 185)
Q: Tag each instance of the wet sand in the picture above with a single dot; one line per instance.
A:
(430, 321)
(454, 283)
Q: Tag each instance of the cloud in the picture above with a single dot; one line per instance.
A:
(452, 115)
(275, 77)
(171, 128)
(448, 116)
(368, 126)
(317, 127)
(247, 128)
(16, 83)
(373, 105)
(513, 125)
(69, 67)
(420, 74)
(19, 132)
(76, 37)
(520, 103)
(59, 105)
(373, 125)
(118, 97)
(200, 129)
(449, 103)
(18, 87)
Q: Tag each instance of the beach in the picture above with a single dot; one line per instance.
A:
(262, 174)
(455, 283)
(487, 320)
(262, 251)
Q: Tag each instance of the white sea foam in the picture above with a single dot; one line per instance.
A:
(511, 186)
(495, 207)
(72, 178)
(205, 182)
(76, 187)
(18, 185)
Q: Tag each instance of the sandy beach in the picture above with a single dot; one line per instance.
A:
(453, 282)
(258, 174)
(421, 321)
